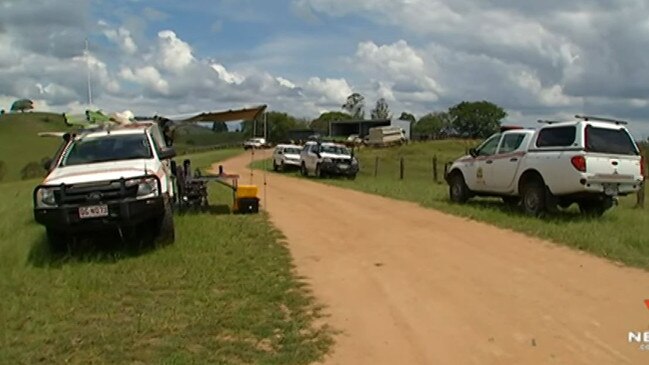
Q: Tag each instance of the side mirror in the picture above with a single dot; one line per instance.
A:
(47, 164)
(473, 152)
(167, 153)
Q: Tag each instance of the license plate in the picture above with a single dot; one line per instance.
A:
(610, 189)
(343, 167)
(95, 211)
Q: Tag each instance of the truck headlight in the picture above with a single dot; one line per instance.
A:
(354, 161)
(146, 188)
(45, 198)
(326, 160)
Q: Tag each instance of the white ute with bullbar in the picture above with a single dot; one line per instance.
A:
(589, 161)
(108, 178)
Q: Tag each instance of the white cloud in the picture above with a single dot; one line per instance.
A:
(175, 54)
(400, 64)
(122, 37)
(328, 91)
(286, 83)
(225, 75)
(147, 76)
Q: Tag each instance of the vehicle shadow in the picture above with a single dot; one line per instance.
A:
(105, 247)
(220, 209)
(561, 216)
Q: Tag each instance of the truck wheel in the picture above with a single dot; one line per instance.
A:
(351, 177)
(165, 233)
(303, 170)
(534, 198)
(275, 168)
(57, 240)
(458, 190)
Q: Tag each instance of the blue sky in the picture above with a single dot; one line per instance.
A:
(550, 59)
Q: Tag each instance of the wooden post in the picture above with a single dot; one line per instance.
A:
(401, 168)
(640, 196)
(376, 166)
(435, 168)
(445, 169)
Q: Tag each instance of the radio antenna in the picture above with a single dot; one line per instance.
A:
(87, 56)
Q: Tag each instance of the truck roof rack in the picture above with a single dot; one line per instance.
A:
(587, 118)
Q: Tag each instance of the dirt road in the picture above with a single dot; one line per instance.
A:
(409, 285)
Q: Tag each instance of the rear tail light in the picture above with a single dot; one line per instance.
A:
(579, 162)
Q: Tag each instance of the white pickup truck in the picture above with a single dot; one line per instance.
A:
(589, 161)
(113, 178)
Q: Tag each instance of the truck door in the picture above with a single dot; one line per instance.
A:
(479, 172)
(505, 162)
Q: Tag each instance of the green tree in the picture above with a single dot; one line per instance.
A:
(432, 125)
(322, 123)
(476, 119)
(355, 105)
(409, 117)
(381, 110)
(219, 127)
(278, 125)
(22, 105)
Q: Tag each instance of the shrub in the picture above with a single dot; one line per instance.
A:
(31, 171)
(3, 170)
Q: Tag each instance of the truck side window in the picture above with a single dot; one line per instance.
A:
(489, 147)
(511, 142)
(556, 137)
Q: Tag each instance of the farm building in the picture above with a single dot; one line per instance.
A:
(344, 128)
(299, 134)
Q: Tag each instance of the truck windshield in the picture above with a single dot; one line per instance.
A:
(607, 140)
(293, 151)
(339, 150)
(108, 148)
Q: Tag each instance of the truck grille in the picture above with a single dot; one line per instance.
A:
(94, 192)
(342, 160)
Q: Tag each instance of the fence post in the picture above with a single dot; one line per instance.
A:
(376, 166)
(640, 196)
(401, 168)
(445, 169)
(435, 168)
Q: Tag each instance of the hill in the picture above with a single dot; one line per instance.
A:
(20, 143)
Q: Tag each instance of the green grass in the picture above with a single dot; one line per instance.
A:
(619, 235)
(224, 293)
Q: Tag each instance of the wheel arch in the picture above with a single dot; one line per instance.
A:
(527, 176)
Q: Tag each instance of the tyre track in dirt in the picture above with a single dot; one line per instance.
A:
(410, 285)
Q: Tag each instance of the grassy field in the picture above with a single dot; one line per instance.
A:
(224, 293)
(620, 235)
(20, 143)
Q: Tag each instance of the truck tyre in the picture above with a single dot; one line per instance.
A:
(275, 167)
(165, 232)
(303, 170)
(458, 190)
(57, 240)
(534, 198)
(351, 177)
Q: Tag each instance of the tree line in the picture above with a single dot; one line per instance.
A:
(468, 119)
